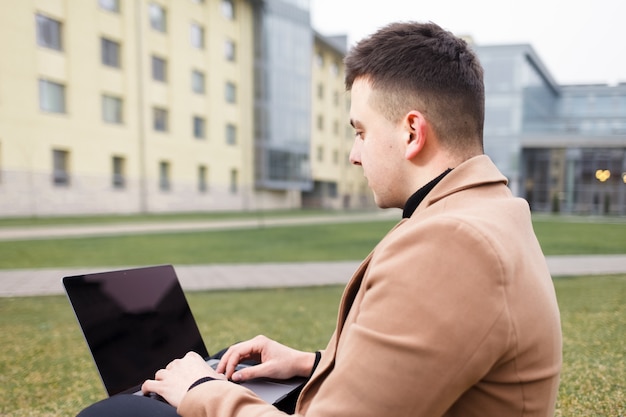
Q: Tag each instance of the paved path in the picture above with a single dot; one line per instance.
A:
(10, 233)
(26, 282)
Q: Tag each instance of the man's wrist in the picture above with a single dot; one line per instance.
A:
(318, 358)
(200, 381)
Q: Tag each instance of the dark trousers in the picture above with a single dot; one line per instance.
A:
(129, 406)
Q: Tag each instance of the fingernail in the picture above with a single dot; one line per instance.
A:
(236, 376)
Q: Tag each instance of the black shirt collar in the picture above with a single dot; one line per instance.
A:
(416, 199)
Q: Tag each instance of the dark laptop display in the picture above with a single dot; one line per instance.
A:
(135, 322)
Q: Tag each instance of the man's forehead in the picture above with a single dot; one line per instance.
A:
(359, 98)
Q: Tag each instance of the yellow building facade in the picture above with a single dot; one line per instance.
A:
(139, 106)
(337, 184)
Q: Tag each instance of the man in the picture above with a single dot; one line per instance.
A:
(454, 312)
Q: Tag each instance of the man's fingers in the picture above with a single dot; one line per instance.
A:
(248, 373)
(148, 386)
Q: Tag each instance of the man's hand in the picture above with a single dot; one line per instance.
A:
(276, 361)
(173, 382)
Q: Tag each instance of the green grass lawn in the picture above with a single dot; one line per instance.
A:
(320, 242)
(46, 370)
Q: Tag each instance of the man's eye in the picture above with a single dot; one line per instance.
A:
(358, 134)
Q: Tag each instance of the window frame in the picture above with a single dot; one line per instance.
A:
(158, 17)
(160, 119)
(159, 69)
(165, 170)
(197, 35)
(203, 178)
(227, 8)
(118, 177)
(110, 53)
(110, 5)
(230, 93)
(60, 167)
(230, 50)
(231, 134)
(49, 32)
(198, 82)
(115, 113)
(199, 127)
(47, 102)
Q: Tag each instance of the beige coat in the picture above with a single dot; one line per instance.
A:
(452, 314)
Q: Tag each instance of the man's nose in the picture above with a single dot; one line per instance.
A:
(355, 152)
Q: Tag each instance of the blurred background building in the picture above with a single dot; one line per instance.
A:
(145, 106)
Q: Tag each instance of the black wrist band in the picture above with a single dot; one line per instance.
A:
(318, 358)
(200, 381)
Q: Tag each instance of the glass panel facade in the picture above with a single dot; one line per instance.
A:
(283, 52)
(552, 140)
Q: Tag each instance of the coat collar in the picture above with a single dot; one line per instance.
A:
(474, 172)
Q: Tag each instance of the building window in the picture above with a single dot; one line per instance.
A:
(48, 32)
(197, 82)
(231, 134)
(158, 17)
(51, 96)
(229, 50)
(197, 36)
(164, 176)
(199, 127)
(319, 60)
(203, 183)
(320, 91)
(60, 167)
(159, 119)
(159, 69)
(320, 154)
(110, 52)
(110, 5)
(234, 181)
(119, 172)
(112, 109)
(231, 92)
(320, 122)
(228, 9)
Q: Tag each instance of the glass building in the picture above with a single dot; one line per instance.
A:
(282, 70)
(563, 147)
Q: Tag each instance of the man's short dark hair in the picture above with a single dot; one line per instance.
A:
(421, 66)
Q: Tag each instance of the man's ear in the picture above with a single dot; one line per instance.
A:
(415, 124)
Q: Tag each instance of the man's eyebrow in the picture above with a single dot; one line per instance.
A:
(354, 123)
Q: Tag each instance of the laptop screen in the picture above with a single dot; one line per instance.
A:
(134, 321)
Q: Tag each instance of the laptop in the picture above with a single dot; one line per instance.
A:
(136, 321)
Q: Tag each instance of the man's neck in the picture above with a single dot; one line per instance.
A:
(419, 195)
